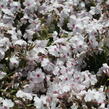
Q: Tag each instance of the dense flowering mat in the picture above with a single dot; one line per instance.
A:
(54, 54)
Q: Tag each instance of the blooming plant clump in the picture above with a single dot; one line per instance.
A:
(54, 54)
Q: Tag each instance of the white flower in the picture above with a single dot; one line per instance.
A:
(56, 70)
(77, 42)
(89, 96)
(36, 76)
(81, 94)
(107, 2)
(104, 69)
(72, 22)
(102, 106)
(53, 50)
(66, 88)
(95, 96)
(93, 79)
(95, 10)
(8, 103)
(4, 43)
(44, 99)
(40, 102)
(41, 43)
(20, 42)
(82, 4)
(14, 62)
(46, 64)
(8, 20)
(24, 95)
(8, 12)
(2, 54)
(74, 106)
(37, 102)
(89, 79)
(54, 35)
(53, 103)
(2, 74)
(1, 100)
(30, 4)
(14, 6)
(13, 34)
(65, 12)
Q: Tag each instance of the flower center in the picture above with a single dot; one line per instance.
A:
(38, 75)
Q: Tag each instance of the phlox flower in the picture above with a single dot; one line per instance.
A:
(24, 95)
(36, 76)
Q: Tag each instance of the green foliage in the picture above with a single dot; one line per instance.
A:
(64, 35)
(65, 25)
(95, 59)
(89, 4)
(54, 26)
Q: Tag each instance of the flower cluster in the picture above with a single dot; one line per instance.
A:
(54, 54)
